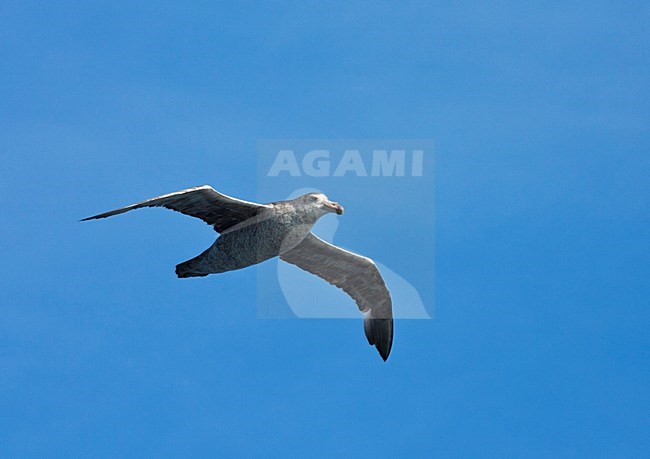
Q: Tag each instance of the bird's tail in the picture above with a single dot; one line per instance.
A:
(191, 268)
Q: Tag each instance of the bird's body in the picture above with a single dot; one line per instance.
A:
(251, 233)
(272, 232)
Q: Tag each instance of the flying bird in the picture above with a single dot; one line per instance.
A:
(250, 233)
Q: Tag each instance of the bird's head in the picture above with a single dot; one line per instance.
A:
(319, 204)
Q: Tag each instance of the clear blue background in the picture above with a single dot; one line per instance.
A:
(540, 116)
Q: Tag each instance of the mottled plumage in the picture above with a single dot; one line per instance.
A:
(251, 233)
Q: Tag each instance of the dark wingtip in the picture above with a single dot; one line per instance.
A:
(379, 333)
(97, 217)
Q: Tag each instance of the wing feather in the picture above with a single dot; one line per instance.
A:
(357, 276)
(202, 202)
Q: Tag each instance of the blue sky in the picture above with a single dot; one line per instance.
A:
(540, 116)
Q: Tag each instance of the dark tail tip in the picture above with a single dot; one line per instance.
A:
(184, 270)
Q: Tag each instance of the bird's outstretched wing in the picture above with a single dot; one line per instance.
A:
(358, 277)
(202, 202)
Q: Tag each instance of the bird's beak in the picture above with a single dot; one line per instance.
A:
(335, 206)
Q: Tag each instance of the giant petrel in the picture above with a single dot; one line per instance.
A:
(251, 233)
